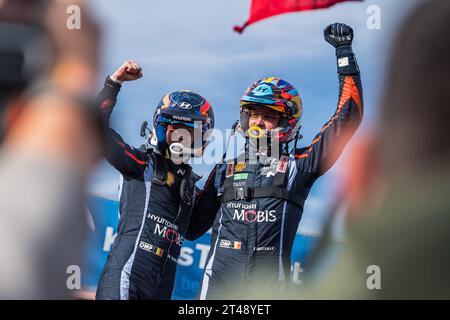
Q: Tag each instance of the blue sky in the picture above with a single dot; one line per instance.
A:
(189, 44)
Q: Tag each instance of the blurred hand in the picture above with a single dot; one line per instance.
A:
(338, 34)
(128, 71)
(75, 67)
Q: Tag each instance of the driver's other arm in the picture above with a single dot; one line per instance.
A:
(329, 143)
(126, 159)
(206, 206)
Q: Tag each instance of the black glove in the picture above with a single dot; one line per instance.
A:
(338, 34)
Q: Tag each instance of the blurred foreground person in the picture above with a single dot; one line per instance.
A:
(399, 196)
(52, 138)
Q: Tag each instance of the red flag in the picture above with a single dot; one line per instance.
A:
(262, 9)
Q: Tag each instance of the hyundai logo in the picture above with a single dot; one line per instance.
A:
(185, 105)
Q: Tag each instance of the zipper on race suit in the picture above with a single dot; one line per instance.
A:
(168, 251)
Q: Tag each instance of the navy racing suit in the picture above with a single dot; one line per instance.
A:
(153, 217)
(259, 205)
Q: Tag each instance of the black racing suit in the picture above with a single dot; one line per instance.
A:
(153, 218)
(259, 206)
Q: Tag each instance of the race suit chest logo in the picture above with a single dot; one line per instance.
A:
(166, 229)
(250, 214)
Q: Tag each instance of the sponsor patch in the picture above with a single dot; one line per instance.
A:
(230, 170)
(171, 235)
(151, 248)
(252, 215)
(239, 184)
(162, 220)
(343, 62)
(240, 176)
(237, 245)
(239, 166)
(170, 179)
(158, 251)
(239, 205)
(282, 164)
(227, 244)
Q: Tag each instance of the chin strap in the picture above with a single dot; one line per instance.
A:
(233, 132)
(286, 147)
(298, 136)
(187, 185)
(160, 167)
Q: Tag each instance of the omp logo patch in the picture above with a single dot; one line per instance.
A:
(151, 248)
(227, 244)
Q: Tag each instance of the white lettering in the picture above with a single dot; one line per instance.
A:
(186, 258)
(109, 239)
(255, 216)
(296, 273)
(204, 250)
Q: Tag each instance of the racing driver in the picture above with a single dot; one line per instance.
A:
(157, 192)
(255, 207)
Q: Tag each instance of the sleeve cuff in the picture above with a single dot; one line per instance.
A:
(346, 61)
(115, 84)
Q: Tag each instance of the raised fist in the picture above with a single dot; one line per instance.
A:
(338, 34)
(128, 71)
